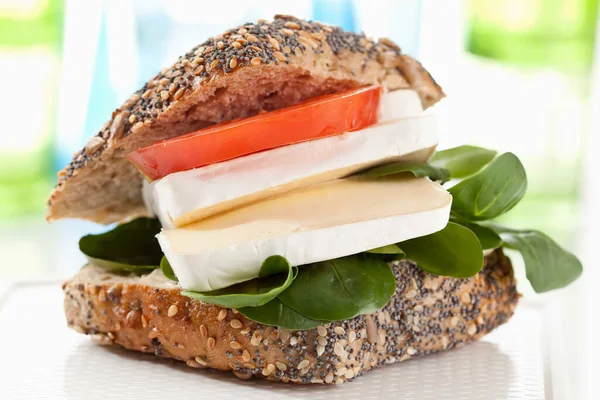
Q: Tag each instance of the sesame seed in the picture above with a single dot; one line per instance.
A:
(236, 324)
(329, 378)
(411, 351)
(271, 368)
(287, 49)
(351, 337)
(222, 315)
(256, 48)
(246, 355)
(298, 52)
(465, 297)
(164, 95)
(237, 45)
(418, 308)
(320, 350)
(132, 118)
(199, 70)
(235, 345)
(241, 31)
(472, 329)
(308, 42)
(339, 330)
(233, 62)
(249, 365)
(444, 341)
(411, 294)
(214, 64)
(245, 331)
(220, 45)
(389, 43)
(287, 32)
(179, 94)
(349, 374)
(203, 330)
(454, 321)
(163, 82)
(209, 50)
(322, 341)
(291, 25)
(338, 349)
(200, 360)
(321, 330)
(256, 338)
(274, 43)
(210, 343)
(172, 310)
(144, 322)
(256, 61)
(281, 366)
(251, 38)
(303, 364)
(293, 340)
(279, 56)
(339, 381)
(94, 144)
(242, 375)
(303, 371)
(327, 29)
(284, 336)
(111, 335)
(266, 372)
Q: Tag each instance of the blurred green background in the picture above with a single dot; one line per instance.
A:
(517, 74)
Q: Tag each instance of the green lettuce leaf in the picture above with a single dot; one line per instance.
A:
(130, 247)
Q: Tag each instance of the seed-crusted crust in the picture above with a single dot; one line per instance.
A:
(427, 314)
(257, 66)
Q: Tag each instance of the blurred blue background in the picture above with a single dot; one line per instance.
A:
(520, 75)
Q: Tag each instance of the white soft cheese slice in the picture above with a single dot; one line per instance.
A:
(184, 197)
(310, 224)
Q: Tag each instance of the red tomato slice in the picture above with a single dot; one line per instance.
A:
(317, 118)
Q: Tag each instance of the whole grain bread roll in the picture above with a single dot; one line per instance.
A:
(426, 314)
(257, 66)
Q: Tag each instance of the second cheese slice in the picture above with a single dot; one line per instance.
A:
(311, 224)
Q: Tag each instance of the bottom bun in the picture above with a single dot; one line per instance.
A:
(426, 314)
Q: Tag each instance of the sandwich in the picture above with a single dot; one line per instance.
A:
(282, 212)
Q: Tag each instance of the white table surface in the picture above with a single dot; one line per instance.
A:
(43, 359)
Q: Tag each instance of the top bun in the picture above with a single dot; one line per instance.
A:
(257, 66)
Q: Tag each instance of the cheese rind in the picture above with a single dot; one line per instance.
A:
(184, 197)
(321, 222)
